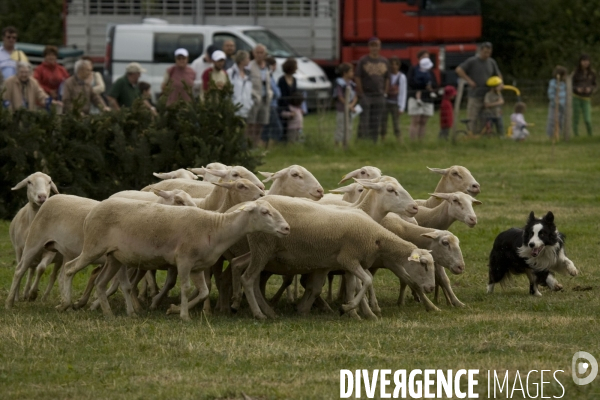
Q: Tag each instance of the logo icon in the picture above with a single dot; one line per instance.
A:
(580, 368)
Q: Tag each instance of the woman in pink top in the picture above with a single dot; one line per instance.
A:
(180, 78)
(295, 117)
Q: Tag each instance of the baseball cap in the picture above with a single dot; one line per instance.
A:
(425, 63)
(181, 52)
(218, 55)
(134, 68)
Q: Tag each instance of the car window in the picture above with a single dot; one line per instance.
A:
(219, 38)
(165, 45)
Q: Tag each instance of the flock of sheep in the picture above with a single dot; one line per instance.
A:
(190, 228)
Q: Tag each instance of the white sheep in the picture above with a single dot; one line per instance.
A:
(454, 179)
(39, 186)
(323, 238)
(456, 206)
(350, 193)
(150, 235)
(366, 172)
(177, 174)
(168, 197)
(206, 172)
(294, 181)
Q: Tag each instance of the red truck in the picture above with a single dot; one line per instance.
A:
(327, 31)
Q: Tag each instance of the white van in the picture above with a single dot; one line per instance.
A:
(153, 43)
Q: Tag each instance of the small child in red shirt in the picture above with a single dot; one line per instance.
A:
(447, 112)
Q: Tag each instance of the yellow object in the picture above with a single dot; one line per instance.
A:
(514, 89)
(494, 81)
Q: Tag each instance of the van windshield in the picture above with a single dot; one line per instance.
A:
(276, 47)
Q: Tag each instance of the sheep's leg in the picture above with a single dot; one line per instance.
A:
(199, 279)
(225, 292)
(262, 302)
(183, 271)
(135, 275)
(363, 306)
(287, 280)
(89, 288)
(114, 286)
(292, 292)
(401, 273)
(357, 270)
(150, 278)
(21, 269)
(348, 285)
(169, 284)
(125, 286)
(441, 280)
(330, 277)
(373, 304)
(342, 289)
(312, 290)
(402, 295)
(111, 268)
(70, 268)
(57, 265)
(47, 258)
(237, 266)
(208, 279)
(30, 278)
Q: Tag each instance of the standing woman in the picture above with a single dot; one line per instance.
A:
(242, 86)
(287, 85)
(180, 78)
(420, 110)
(49, 73)
(261, 94)
(584, 84)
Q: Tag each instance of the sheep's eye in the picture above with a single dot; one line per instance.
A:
(362, 172)
(235, 175)
(360, 190)
(266, 212)
(295, 174)
(445, 243)
(29, 182)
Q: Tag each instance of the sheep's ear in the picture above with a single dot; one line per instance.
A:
(217, 172)
(441, 196)
(549, 217)
(162, 193)
(476, 202)
(369, 184)
(344, 189)
(198, 171)
(272, 176)
(179, 200)
(190, 174)
(53, 187)
(350, 175)
(268, 175)
(248, 207)
(431, 235)
(441, 171)
(163, 175)
(21, 184)
(414, 257)
(226, 185)
(531, 217)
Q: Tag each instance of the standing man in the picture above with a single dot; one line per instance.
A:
(8, 55)
(372, 84)
(260, 76)
(125, 89)
(476, 71)
(229, 50)
(216, 74)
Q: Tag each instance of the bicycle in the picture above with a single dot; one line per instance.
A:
(466, 134)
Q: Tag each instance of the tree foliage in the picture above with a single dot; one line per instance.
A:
(98, 155)
(531, 37)
(37, 21)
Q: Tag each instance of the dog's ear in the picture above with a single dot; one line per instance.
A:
(531, 217)
(549, 217)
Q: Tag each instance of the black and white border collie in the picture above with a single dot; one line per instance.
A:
(536, 250)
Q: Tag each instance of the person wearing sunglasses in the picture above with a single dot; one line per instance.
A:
(9, 56)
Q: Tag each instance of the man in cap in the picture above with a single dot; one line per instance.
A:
(125, 89)
(372, 83)
(216, 73)
(201, 64)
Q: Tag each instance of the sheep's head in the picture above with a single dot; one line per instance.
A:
(445, 249)
(351, 192)
(177, 174)
(175, 197)
(366, 172)
(241, 190)
(39, 186)
(460, 207)
(389, 196)
(457, 179)
(294, 181)
(233, 174)
(421, 269)
(263, 218)
(204, 172)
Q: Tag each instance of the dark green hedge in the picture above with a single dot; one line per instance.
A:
(96, 156)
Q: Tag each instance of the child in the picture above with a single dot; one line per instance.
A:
(396, 98)
(146, 96)
(554, 93)
(346, 70)
(422, 77)
(447, 112)
(295, 117)
(492, 104)
(517, 119)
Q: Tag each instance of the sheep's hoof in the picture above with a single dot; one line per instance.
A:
(260, 316)
(233, 310)
(458, 303)
(352, 314)
(63, 307)
(537, 294)
(9, 304)
(34, 294)
(78, 305)
(434, 308)
(371, 317)
(558, 287)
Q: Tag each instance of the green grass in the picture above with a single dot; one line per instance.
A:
(46, 355)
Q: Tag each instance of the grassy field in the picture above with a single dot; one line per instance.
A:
(74, 355)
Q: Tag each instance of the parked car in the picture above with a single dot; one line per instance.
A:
(153, 43)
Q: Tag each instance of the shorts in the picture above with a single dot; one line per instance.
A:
(259, 113)
(415, 109)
